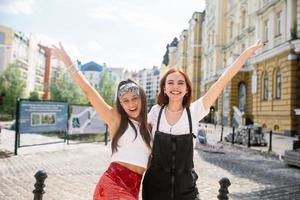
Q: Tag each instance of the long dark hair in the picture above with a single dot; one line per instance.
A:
(144, 131)
(163, 99)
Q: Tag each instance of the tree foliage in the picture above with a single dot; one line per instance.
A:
(11, 87)
(63, 88)
(34, 95)
(106, 89)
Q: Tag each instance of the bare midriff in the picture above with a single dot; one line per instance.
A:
(134, 168)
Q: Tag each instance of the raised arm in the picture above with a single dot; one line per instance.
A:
(215, 90)
(109, 114)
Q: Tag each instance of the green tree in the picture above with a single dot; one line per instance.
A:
(34, 95)
(106, 89)
(63, 88)
(12, 86)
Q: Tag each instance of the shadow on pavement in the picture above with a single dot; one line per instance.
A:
(5, 154)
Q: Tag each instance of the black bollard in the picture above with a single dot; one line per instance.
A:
(249, 132)
(106, 134)
(232, 141)
(38, 192)
(270, 142)
(222, 129)
(223, 191)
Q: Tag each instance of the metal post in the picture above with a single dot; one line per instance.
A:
(249, 134)
(270, 141)
(222, 130)
(232, 141)
(106, 134)
(223, 191)
(17, 138)
(38, 192)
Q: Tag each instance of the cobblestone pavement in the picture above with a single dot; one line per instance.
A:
(73, 171)
(252, 176)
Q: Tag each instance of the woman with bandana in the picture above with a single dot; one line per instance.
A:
(128, 130)
(174, 122)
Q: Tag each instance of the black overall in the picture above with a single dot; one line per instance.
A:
(171, 175)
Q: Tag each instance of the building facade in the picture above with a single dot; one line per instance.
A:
(186, 53)
(266, 90)
(149, 80)
(25, 52)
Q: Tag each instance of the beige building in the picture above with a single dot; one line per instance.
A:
(265, 91)
(214, 35)
(186, 52)
(194, 52)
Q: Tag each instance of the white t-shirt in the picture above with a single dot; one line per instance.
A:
(182, 125)
(130, 149)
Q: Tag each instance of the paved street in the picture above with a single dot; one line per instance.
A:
(73, 171)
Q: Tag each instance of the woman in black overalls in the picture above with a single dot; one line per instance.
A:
(171, 175)
(171, 170)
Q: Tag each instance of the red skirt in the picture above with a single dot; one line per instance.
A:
(118, 182)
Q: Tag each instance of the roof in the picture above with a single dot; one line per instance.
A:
(91, 66)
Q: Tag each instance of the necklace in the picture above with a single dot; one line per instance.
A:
(181, 109)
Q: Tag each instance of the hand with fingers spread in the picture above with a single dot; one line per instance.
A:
(250, 51)
(59, 53)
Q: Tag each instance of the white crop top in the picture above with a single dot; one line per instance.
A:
(130, 149)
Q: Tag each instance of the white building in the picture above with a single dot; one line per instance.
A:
(149, 80)
(23, 50)
(93, 72)
(116, 74)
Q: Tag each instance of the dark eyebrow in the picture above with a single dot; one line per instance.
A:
(124, 99)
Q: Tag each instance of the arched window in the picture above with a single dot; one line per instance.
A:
(278, 78)
(242, 96)
(265, 86)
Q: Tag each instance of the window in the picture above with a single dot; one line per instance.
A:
(265, 87)
(242, 96)
(266, 31)
(243, 19)
(278, 23)
(278, 85)
(243, 47)
(2, 37)
(231, 30)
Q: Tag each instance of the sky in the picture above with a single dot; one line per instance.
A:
(132, 34)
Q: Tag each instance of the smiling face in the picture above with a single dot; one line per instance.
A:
(131, 103)
(175, 86)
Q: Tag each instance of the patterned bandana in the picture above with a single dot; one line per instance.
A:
(128, 87)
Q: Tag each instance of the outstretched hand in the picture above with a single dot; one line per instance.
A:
(59, 53)
(250, 51)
